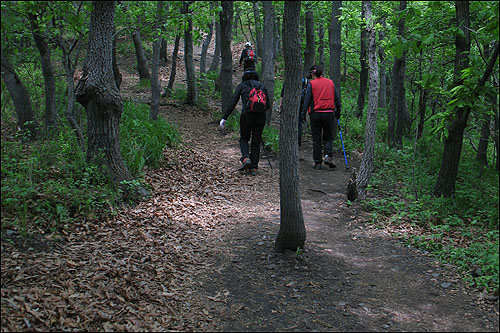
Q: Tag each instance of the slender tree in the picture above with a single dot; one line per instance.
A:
(192, 94)
(335, 44)
(268, 54)
(217, 54)
(366, 167)
(363, 80)
(226, 71)
(173, 70)
(258, 30)
(310, 50)
(382, 100)
(206, 42)
(155, 64)
(292, 233)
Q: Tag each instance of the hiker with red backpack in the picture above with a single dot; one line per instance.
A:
(248, 58)
(322, 102)
(255, 103)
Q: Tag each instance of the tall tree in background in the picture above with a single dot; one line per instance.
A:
(268, 54)
(173, 69)
(98, 93)
(48, 73)
(382, 100)
(321, 46)
(206, 41)
(226, 71)
(292, 233)
(310, 50)
(142, 63)
(155, 64)
(334, 41)
(192, 95)
(217, 54)
(366, 167)
(258, 31)
(363, 80)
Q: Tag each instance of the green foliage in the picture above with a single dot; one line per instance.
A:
(142, 140)
(271, 139)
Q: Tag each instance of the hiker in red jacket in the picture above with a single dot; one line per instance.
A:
(322, 102)
(252, 122)
(248, 58)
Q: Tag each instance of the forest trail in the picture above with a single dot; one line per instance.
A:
(351, 276)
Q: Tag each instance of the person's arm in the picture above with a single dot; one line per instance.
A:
(242, 56)
(268, 102)
(234, 101)
(307, 99)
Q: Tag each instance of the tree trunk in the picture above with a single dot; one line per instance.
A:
(382, 96)
(445, 185)
(276, 35)
(173, 70)
(116, 71)
(267, 55)
(155, 65)
(48, 77)
(258, 31)
(321, 47)
(216, 57)
(401, 103)
(363, 80)
(366, 167)
(142, 65)
(226, 72)
(192, 96)
(335, 44)
(98, 93)
(496, 134)
(310, 49)
(292, 233)
(21, 99)
(206, 43)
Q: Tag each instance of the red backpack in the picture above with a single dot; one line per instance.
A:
(250, 55)
(256, 100)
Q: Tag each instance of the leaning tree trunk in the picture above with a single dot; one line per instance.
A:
(267, 55)
(310, 49)
(366, 167)
(20, 97)
(216, 57)
(363, 80)
(292, 233)
(48, 77)
(445, 185)
(142, 64)
(173, 70)
(98, 93)
(226, 71)
(155, 65)
(192, 96)
(206, 43)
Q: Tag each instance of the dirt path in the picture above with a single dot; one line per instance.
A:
(350, 278)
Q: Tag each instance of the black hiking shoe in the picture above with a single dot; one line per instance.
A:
(317, 166)
(245, 164)
(328, 161)
(253, 172)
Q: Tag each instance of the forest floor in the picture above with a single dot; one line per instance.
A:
(198, 255)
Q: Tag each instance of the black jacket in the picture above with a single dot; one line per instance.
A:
(243, 91)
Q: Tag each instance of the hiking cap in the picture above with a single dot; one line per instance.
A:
(248, 44)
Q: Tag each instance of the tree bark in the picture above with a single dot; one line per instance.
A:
(116, 71)
(155, 65)
(98, 93)
(258, 30)
(310, 50)
(267, 55)
(363, 80)
(321, 46)
(217, 53)
(173, 70)
(292, 232)
(48, 76)
(445, 184)
(335, 44)
(226, 72)
(206, 43)
(142, 64)
(382, 96)
(276, 35)
(366, 168)
(20, 97)
(192, 95)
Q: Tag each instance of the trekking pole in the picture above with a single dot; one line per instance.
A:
(342, 140)
(264, 148)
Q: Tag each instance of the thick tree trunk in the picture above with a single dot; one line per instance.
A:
(363, 80)
(192, 95)
(292, 233)
(155, 66)
(258, 30)
(206, 43)
(366, 167)
(48, 77)
(217, 54)
(321, 47)
(226, 72)
(142, 64)
(310, 50)
(445, 185)
(267, 55)
(98, 93)
(173, 70)
(21, 99)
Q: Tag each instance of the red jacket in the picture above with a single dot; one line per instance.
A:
(323, 91)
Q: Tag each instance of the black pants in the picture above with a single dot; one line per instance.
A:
(251, 127)
(322, 126)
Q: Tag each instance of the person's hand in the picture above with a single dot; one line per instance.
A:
(221, 125)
